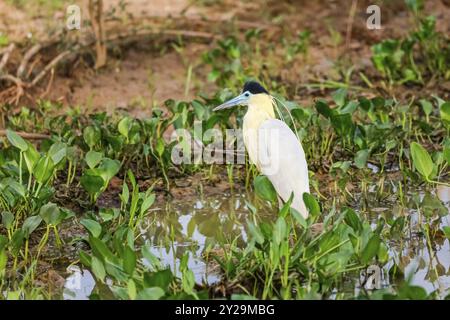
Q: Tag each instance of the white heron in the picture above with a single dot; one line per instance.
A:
(272, 146)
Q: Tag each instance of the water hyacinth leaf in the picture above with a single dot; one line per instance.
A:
(147, 203)
(16, 140)
(51, 214)
(446, 231)
(44, 169)
(94, 228)
(91, 136)
(264, 189)
(255, 232)
(445, 113)
(93, 158)
(98, 269)
(371, 249)
(31, 157)
(339, 96)
(7, 219)
(92, 184)
(323, 108)
(279, 231)
(311, 204)
(422, 160)
(361, 158)
(161, 279)
(427, 106)
(14, 186)
(30, 224)
(124, 126)
(57, 152)
(131, 288)
(129, 260)
(352, 220)
(108, 168)
(153, 293)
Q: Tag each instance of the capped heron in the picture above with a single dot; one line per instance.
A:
(272, 146)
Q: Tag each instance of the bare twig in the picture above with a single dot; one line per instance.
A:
(351, 18)
(28, 135)
(26, 58)
(48, 67)
(6, 55)
(97, 21)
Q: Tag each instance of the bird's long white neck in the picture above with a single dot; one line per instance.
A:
(260, 109)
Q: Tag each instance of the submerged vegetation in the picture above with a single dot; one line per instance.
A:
(89, 193)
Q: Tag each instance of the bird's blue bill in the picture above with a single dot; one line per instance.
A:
(242, 99)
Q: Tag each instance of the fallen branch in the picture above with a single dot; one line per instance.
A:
(6, 55)
(28, 135)
(26, 58)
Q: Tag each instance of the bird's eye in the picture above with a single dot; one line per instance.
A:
(247, 94)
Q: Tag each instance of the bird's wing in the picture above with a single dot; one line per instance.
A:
(282, 159)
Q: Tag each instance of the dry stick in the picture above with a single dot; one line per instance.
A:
(97, 21)
(6, 55)
(26, 58)
(28, 135)
(351, 18)
(48, 67)
(50, 82)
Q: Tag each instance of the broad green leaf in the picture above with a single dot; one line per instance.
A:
(7, 219)
(93, 158)
(129, 260)
(124, 126)
(311, 204)
(31, 157)
(30, 224)
(147, 203)
(16, 140)
(153, 293)
(92, 184)
(255, 232)
(371, 249)
(361, 158)
(98, 269)
(43, 169)
(422, 160)
(92, 226)
(92, 136)
(279, 231)
(57, 152)
(264, 189)
(51, 214)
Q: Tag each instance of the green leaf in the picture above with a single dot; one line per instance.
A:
(427, 106)
(311, 204)
(57, 152)
(445, 113)
(422, 160)
(124, 126)
(264, 189)
(129, 260)
(446, 230)
(108, 168)
(7, 219)
(92, 226)
(255, 232)
(279, 231)
(147, 203)
(31, 157)
(153, 293)
(30, 224)
(371, 249)
(92, 136)
(44, 169)
(92, 184)
(16, 140)
(352, 220)
(161, 279)
(98, 269)
(51, 214)
(93, 158)
(361, 158)
(339, 96)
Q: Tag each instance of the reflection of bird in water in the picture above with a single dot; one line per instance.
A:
(272, 146)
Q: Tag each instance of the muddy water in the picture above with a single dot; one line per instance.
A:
(198, 224)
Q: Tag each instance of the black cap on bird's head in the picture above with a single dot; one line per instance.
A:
(254, 88)
(250, 88)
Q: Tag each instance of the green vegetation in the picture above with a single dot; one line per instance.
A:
(376, 165)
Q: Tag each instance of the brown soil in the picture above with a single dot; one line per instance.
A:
(139, 79)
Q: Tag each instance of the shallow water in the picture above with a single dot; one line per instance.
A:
(195, 224)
